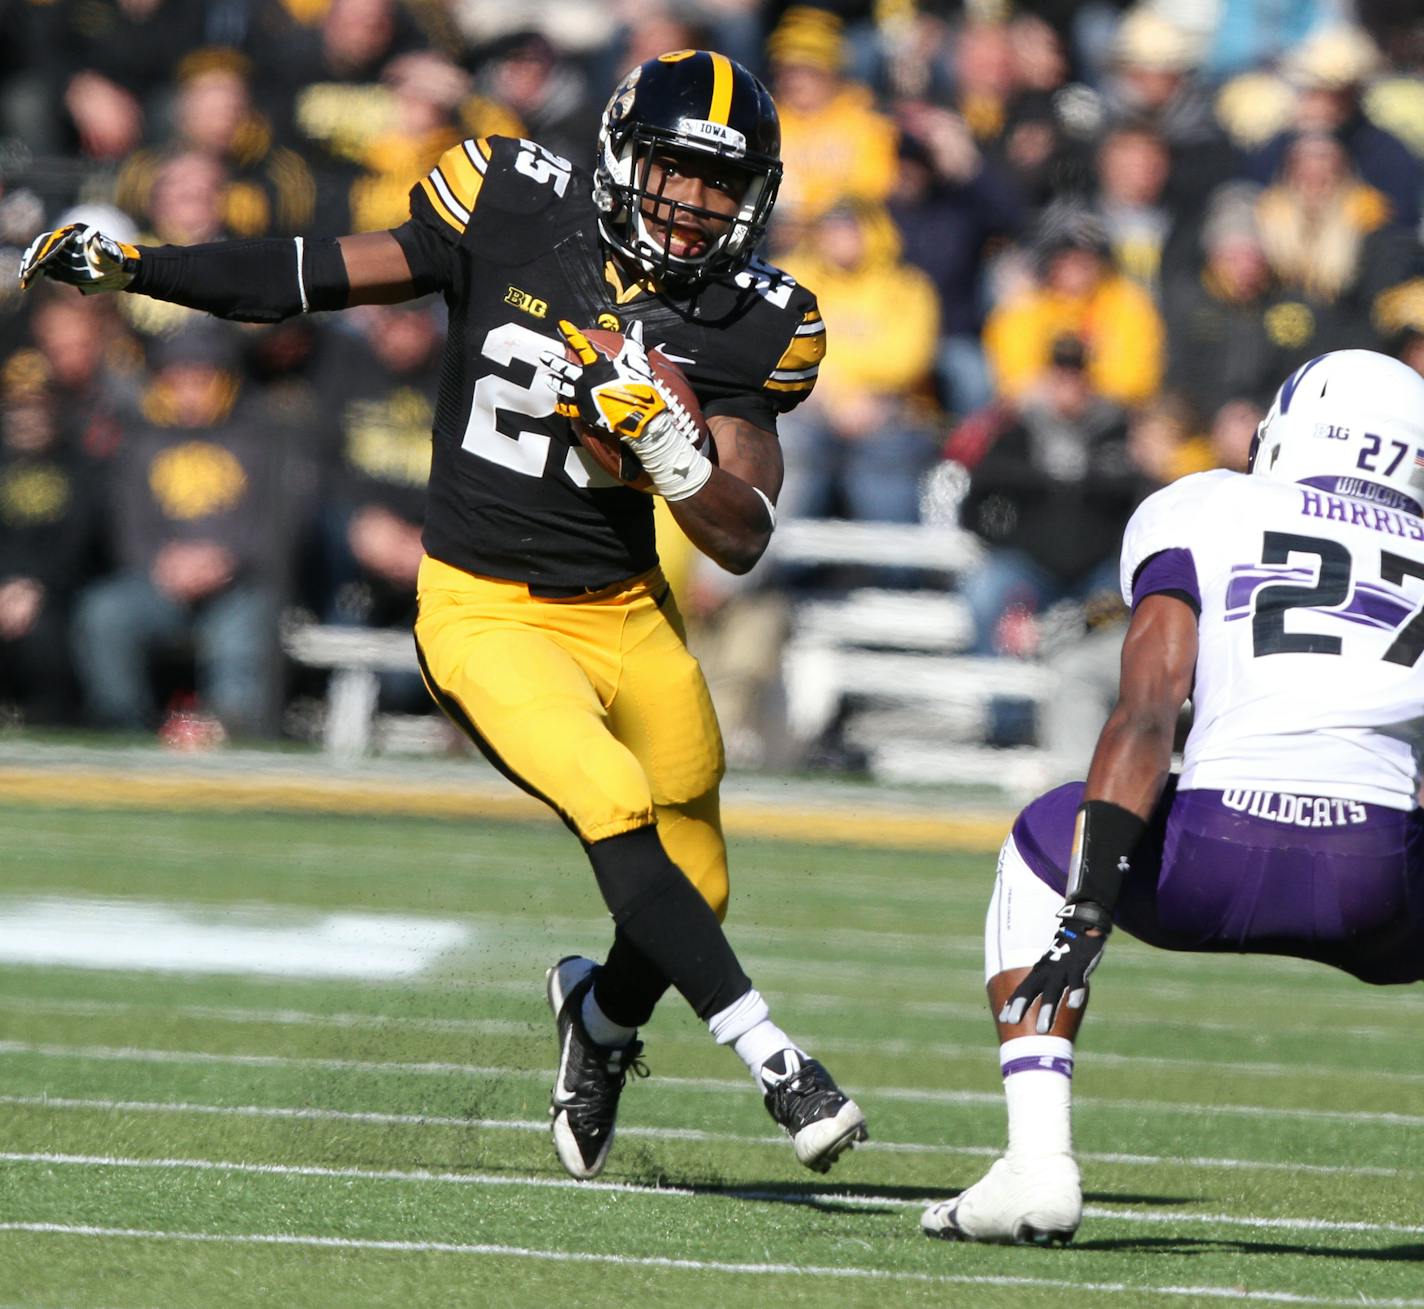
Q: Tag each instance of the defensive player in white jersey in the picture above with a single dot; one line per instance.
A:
(1288, 604)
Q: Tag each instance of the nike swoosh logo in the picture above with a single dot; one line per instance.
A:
(561, 1096)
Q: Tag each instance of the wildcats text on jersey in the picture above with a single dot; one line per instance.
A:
(1296, 810)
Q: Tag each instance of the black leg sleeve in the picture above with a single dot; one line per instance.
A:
(629, 985)
(663, 918)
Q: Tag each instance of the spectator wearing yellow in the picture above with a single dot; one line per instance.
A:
(1077, 294)
(862, 442)
(834, 145)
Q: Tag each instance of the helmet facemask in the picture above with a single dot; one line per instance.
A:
(627, 202)
(696, 107)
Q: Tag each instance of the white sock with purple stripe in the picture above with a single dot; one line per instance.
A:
(1038, 1085)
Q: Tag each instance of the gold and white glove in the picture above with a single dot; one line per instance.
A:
(79, 256)
(622, 398)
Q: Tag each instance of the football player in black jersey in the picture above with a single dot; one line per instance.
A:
(545, 628)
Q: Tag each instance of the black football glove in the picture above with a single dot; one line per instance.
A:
(79, 256)
(1065, 969)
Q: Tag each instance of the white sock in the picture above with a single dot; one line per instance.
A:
(1038, 1085)
(746, 1026)
(600, 1027)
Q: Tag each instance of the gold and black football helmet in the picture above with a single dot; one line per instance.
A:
(694, 102)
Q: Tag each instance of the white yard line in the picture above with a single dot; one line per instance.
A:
(771, 949)
(701, 1265)
(817, 1003)
(920, 1095)
(681, 1192)
(541, 1125)
(939, 1009)
(515, 1027)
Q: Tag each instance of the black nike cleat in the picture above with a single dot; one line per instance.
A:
(820, 1119)
(584, 1101)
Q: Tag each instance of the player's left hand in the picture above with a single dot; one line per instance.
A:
(79, 256)
(619, 396)
(1077, 949)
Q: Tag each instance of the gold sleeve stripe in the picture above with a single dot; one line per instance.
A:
(456, 180)
(803, 354)
(447, 195)
(438, 205)
(462, 175)
(721, 88)
(800, 362)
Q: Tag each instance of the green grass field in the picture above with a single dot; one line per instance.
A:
(300, 1113)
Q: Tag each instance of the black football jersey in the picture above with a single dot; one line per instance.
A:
(508, 232)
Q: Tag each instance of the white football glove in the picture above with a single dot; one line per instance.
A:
(619, 396)
(622, 397)
(79, 256)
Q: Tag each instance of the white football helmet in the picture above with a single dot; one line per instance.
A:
(1351, 422)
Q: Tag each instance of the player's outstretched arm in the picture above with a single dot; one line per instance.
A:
(262, 280)
(1129, 770)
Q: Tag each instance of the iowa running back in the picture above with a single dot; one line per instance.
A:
(545, 629)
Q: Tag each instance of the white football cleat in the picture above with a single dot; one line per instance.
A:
(1021, 1201)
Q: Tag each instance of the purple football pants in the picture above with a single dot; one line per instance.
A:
(1261, 872)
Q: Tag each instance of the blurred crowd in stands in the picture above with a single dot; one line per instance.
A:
(1065, 252)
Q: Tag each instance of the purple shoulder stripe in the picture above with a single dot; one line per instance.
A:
(1167, 570)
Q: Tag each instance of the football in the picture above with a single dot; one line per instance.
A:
(611, 454)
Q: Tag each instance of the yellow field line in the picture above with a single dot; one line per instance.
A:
(97, 789)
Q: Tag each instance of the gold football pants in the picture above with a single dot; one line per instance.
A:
(593, 704)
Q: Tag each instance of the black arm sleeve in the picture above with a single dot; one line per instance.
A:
(430, 257)
(257, 281)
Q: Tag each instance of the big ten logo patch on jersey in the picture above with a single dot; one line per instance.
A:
(530, 304)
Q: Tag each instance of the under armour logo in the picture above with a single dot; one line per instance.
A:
(1122, 865)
